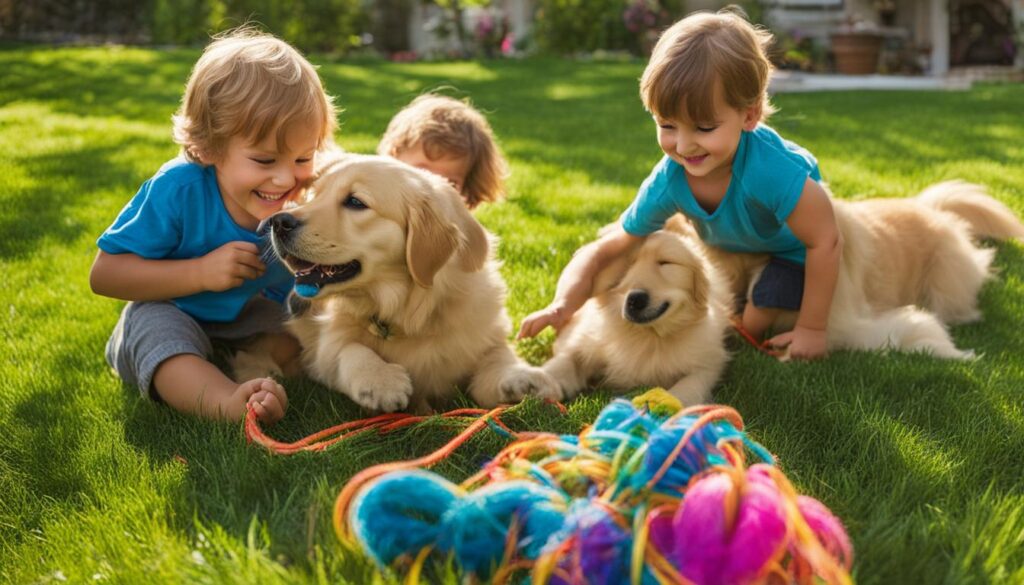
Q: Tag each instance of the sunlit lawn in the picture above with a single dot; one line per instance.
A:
(921, 458)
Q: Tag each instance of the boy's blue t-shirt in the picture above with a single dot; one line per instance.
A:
(179, 214)
(768, 177)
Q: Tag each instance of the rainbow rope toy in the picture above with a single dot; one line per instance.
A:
(651, 493)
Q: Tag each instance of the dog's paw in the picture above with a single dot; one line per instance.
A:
(386, 389)
(522, 381)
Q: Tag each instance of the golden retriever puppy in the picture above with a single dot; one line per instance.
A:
(658, 318)
(910, 267)
(406, 300)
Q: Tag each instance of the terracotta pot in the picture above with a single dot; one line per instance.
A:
(856, 53)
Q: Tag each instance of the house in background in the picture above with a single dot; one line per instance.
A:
(937, 35)
(944, 33)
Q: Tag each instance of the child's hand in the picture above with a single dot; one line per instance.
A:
(230, 265)
(555, 315)
(803, 343)
(266, 396)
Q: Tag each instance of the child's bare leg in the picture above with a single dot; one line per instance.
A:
(188, 383)
(757, 320)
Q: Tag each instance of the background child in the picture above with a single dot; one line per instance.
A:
(185, 251)
(450, 138)
(743, 187)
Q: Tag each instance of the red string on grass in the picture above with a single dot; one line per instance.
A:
(761, 346)
(382, 423)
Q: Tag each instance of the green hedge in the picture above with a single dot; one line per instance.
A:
(312, 25)
(575, 26)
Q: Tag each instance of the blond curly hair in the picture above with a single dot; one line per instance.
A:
(249, 83)
(447, 127)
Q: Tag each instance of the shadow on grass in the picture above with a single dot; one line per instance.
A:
(133, 84)
(934, 436)
(42, 210)
(228, 482)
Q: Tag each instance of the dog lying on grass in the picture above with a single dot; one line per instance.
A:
(912, 266)
(658, 318)
(909, 268)
(405, 300)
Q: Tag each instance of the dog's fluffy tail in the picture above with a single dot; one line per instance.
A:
(906, 329)
(986, 216)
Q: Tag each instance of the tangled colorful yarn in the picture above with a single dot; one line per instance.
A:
(651, 493)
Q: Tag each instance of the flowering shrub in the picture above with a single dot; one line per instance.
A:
(646, 19)
(491, 32)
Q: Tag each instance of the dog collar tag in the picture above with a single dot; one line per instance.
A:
(306, 290)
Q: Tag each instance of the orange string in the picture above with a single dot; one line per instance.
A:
(341, 505)
(761, 346)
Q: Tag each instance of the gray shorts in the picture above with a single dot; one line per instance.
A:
(149, 333)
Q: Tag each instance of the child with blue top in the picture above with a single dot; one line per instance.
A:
(185, 251)
(742, 186)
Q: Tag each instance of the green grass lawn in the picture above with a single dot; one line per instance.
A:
(921, 458)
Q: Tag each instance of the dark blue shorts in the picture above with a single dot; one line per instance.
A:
(781, 286)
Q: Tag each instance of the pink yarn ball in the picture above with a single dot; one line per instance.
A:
(700, 546)
(827, 528)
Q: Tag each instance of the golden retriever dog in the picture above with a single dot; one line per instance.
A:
(658, 318)
(405, 298)
(909, 268)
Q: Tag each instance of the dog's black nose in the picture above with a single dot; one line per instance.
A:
(637, 301)
(280, 223)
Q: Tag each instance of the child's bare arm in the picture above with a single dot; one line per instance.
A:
(575, 285)
(134, 278)
(813, 222)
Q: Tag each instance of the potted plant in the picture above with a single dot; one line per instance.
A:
(856, 46)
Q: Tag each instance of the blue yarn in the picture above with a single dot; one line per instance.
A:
(405, 511)
(701, 452)
(307, 290)
(390, 523)
(475, 528)
(612, 416)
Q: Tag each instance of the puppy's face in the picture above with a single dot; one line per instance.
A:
(666, 283)
(370, 217)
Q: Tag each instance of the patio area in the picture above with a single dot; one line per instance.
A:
(957, 79)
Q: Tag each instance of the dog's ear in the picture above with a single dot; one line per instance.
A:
(430, 241)
(610, 276)
(475, 246)
(701, 287)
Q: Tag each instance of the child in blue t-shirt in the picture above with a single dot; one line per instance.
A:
(185, 251)
(742, 186)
